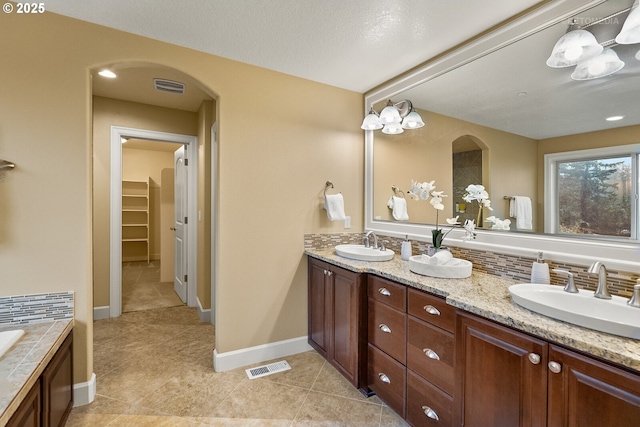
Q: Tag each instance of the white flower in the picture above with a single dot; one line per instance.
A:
(499, 224)
(421, 190)
(453, 221)
(436, 200)
(469, 229)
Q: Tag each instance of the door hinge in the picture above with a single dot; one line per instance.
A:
(185, 278)
(186, 220)
(186, 162)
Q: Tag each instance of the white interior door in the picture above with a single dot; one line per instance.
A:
(180, 226)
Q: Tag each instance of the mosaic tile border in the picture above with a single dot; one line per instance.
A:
(35, 308)
(497, 264)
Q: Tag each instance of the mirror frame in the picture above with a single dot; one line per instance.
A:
(581, 251)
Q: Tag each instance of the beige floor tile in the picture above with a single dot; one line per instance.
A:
(305, 368)
(321, 409)
(390, 419)
(90, 420)
(330, 381)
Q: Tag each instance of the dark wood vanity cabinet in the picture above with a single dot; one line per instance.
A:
(508, 378)
(50, 400)
(337, 318)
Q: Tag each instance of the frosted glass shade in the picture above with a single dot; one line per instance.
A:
(575, 46)
(412, 121)
(389, 115)
(602, 65)
(371, 122)
(392, 129)
(630, 32)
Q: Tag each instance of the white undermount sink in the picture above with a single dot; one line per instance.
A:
(8, 339)
(362, 253)
(454, 268)
(613, 316)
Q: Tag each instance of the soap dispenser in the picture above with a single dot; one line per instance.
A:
(405, 249)
(540, 271)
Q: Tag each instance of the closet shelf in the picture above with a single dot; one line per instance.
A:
(135, 214)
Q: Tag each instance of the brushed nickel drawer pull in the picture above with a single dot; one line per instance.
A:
(555, 367)
(431, 354)
(384, 378)
(430, 413)
(432, 310)
(385, 292)
(534, 358)
(384, 328)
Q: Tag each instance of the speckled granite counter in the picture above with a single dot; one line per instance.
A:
(47, 319)
(488, 296)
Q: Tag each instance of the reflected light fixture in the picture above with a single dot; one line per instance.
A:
(602, 65)
(393, 119)
(575, 46)
(614, 118)
(108, 74)
(630, 32)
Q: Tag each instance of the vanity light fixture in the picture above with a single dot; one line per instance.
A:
(575, 46)
(630, 32)
(602, 65)
(108, 74)
(393, 119)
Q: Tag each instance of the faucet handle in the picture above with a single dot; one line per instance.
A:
(365, 241)
(382, 245)
(570, 286)
(634, 301)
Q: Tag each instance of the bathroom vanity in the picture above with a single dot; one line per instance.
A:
(461, 352)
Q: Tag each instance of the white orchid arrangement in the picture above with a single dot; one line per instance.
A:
(476, 192)
(426, 191)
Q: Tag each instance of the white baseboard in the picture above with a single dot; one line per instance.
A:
(100, 313)
(204, 314)
(260, 353)
(84, 393)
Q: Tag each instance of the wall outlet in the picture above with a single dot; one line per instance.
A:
(347, 222)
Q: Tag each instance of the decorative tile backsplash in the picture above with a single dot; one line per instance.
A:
(497, 264)
(22, 309)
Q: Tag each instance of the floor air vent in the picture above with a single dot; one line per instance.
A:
(169, 86)
(272, 368)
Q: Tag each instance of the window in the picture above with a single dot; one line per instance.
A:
(593, 192)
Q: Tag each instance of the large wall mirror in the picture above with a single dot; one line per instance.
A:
(495, 114)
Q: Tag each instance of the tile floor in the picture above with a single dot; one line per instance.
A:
(154, 368)
(142, 289)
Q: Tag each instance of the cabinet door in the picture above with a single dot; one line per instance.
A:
(348, 320)
(588, 393)
(502, 375)
(57, 386)
(318, 306)
(28, 413)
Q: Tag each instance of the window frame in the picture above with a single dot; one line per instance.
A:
(551, 204)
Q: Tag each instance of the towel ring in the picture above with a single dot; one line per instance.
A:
(5, 164)
(396, 190)
(329, 184)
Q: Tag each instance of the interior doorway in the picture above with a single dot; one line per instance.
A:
(189, 197)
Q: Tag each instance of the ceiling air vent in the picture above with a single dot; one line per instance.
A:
(169, 86)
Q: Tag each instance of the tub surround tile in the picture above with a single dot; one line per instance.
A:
(488, 296)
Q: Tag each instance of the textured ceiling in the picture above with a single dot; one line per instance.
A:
(352, 44)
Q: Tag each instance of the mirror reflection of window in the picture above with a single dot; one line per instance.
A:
(594, 196)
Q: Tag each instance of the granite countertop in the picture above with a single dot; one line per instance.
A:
(22, 365)
(488, 296)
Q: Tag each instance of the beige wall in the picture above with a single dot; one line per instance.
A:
(425, 154)
(205, 120)
(109, 112)
(271, 174)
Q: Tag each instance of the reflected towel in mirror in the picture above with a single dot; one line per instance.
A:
(398, 206)
(334, 204)
(520, 209)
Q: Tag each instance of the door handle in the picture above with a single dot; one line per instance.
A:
(172, 228)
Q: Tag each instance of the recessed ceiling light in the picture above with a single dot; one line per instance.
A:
(108, 74)
(614, 118)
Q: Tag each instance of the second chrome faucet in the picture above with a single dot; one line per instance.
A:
(602, 291)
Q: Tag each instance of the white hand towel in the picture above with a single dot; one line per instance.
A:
(334, 204)
(520, 209)
(398, 206)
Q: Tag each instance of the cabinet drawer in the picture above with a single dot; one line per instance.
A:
(432, 309)
(387, 378)
(430, 353)
(387, 329)
(388, 292)
(426, 404)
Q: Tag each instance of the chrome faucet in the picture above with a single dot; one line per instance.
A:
(570, 286)
(598, 268)
(366, 240)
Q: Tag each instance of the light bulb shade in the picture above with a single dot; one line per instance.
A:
(389, 115)
(630, 32)
(392, 129)
(371, 122)
(602, 65)
(575, 46)
(412, 121)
